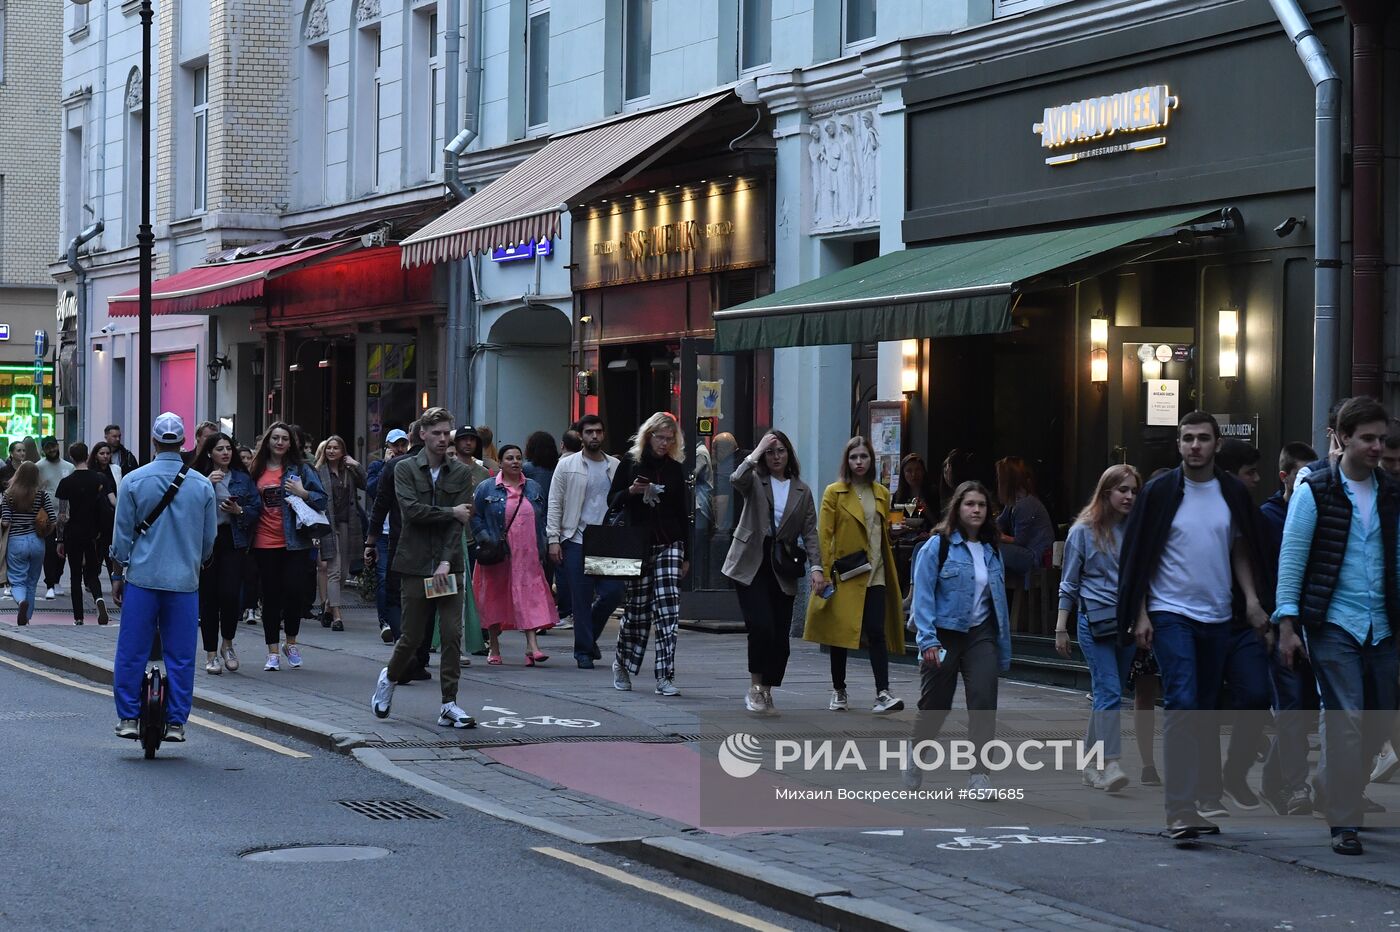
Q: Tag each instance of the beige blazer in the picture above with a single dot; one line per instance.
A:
(755, 521)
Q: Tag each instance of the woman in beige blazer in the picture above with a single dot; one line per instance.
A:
(777, 506)
(866, 606)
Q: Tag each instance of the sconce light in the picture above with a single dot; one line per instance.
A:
(586, 319)
(909, 372)
(1098, 352)
(295, 367)
(424, 401)
(217, 365)
(1229, 343)
(323, 364)
(583, 382)
(99, 348)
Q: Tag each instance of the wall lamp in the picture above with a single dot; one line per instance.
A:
(99, 348)
(217, 365)
(1098, 350)
(1229, 343)
(909, 366)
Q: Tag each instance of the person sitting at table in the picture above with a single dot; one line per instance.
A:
(959, 466)
(914, 485)
(1027, 532)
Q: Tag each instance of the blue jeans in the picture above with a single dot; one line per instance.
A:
(176, 615)
(1247, 696)
(595, 598)
(1295, 703)
(24, 562)
(1191, 656)
(1357, 683)
(386, 594)
(1108, 669)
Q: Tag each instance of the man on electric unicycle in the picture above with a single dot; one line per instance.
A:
(164, 531)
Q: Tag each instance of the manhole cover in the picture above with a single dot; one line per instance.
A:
(307, 854)
(389, 810)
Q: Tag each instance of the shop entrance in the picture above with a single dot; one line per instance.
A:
(1145, 364)
(639, 379)
(389, 398)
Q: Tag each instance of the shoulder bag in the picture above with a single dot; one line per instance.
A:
(43, 524)
(163, 504)
(789, 560)
(491, 552)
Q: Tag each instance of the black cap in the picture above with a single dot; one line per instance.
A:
(465, 431)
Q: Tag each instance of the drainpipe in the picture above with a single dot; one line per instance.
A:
(461, 315)
(80, 355)
(1327, 193)
(1368, 19)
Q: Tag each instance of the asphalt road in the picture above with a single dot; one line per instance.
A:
(96, 837)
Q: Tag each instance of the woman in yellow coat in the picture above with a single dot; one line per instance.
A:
(866, 607)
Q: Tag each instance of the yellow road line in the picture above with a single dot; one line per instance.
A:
(193, 720)
(687, 899)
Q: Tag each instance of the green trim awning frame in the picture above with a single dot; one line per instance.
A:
(958, 289)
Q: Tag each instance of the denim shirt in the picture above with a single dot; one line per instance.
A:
(167, 557)
(1358, 602)
(244, 491)
(1090, 576)
(943, 594)
(489, 513)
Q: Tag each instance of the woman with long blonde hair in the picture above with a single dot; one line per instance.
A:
(1089, 591)
(24, 502)
(649, 486)
(342, 478)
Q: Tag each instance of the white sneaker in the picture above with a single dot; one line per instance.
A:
(1092, 776)
(565, 624)
(1386, 765)
(979, 786)
(451, 714)
(839, 702)
(215, 665)
(272, 663)
(884, 702)
(230, 660)
(622, 680)
(48, 596)
(664, 687)
(1113, 778)
(383, 695)
(768, 707)
(8, 594)
(753, 700)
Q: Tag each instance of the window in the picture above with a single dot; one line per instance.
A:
(537, 70)
(79, 18)
(1012, 7)
(201, 140)
(131, 158)
(755, 33)
(311, 166)
(365, 106)
(74, 174)
(858, 21)
(435, 97)
(378, 103)
(636, 49)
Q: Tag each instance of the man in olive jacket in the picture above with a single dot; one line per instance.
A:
(434, 495)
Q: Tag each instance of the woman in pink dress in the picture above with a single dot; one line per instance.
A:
(512, 595)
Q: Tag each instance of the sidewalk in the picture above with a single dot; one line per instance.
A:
(559, 750)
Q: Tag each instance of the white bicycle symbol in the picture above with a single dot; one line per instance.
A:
(979, 843)
(517, 721)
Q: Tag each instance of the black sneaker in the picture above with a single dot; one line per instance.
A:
(1238, 792)
(1346, 842)
(1181, 829)
(1212, 809)
(337, 625)
(1299, 803)
(1150, 777)
(386, 634)
(325, 617)
(1204, 826)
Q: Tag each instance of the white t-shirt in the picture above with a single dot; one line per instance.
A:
(595, 496)
(434, 472)
(780, 497)
(1194, 575)
(980, 603)
(1365, 494)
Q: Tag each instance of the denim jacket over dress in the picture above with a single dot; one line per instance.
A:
(243, 490)
(489, 511)
(943, 594)
(299, 538)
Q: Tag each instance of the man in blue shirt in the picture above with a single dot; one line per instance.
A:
(1338, 576)
(160, 560)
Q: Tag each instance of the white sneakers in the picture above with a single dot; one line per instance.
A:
(664, 687)
(48, 595)
(215, 665)
(1111, 779)
(839, 702)
(1386, 765)
(884, 702)
(451, 714)
(622, 680)
(753, 700)
(384, 695)
(273, 663)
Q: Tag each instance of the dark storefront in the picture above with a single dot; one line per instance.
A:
(650, 269)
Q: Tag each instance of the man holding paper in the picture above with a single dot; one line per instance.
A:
(434, 495)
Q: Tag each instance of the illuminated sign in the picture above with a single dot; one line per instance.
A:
(1095, 118)
(544, 247)
(4, 331)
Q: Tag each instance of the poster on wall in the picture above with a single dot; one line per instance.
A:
(1240, 426)
(1163, 402)
(887, 440)
(709, 399)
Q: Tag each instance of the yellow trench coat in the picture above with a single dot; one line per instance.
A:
(841, 530)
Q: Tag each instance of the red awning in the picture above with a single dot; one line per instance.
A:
(209, 286)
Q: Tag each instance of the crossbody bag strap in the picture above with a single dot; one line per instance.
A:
(518, 502)
(164, 502)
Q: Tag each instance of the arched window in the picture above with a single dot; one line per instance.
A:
(134, 124)
(313, 106)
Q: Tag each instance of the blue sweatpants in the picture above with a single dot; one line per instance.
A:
(176, 614)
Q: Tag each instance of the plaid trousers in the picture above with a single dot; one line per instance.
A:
(653, 599)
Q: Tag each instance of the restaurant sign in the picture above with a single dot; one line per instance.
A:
(1093, 119)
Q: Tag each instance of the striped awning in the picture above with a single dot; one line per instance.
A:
(524, 204)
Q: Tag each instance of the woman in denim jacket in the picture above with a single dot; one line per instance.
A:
(512, 595)
(963, 624)
(282, 550)
(238, 506)
(1089, 591)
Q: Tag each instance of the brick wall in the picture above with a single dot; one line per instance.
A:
(250, 99)
(30, 123)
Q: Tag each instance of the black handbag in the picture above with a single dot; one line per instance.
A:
(1103, 622)
(615, 547)
(491, 552)
(852, 565)
(789, 560)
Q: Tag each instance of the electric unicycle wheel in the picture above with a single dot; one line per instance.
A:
(151, 723)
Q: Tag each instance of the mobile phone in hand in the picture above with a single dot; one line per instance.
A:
(829, 591)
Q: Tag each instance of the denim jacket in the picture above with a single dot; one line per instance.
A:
(244, 491)
(489, 511)
(169, 555)
(943, 594)
(298, 538)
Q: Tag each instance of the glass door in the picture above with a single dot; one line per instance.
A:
(1152, 383)
(388, 390)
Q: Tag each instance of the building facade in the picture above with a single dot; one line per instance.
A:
(29, 81)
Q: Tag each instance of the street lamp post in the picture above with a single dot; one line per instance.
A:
(145, 241)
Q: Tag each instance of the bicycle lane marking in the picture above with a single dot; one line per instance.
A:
(193, 720)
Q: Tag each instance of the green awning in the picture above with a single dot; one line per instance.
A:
(936, 291)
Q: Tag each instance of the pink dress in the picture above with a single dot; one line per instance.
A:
(514, 595)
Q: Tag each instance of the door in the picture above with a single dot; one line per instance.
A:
(177, 389)
(1132, 378)
(388, 390)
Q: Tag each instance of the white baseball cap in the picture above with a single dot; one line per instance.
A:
(168, 428)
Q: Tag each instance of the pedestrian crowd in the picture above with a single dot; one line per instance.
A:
(1179, 588)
